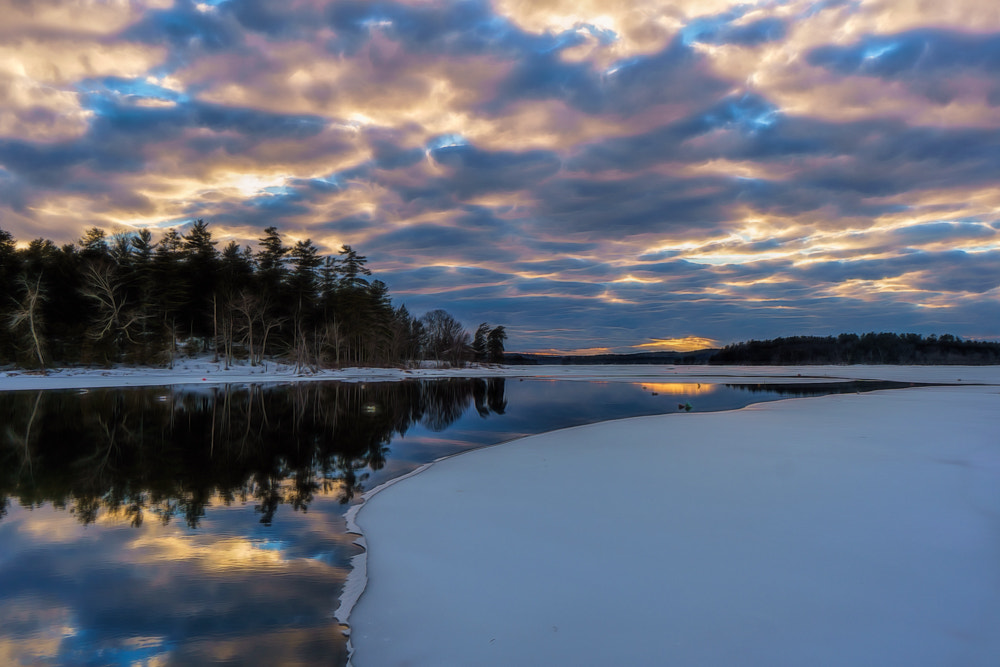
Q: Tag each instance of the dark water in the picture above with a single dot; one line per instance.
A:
(206, 526)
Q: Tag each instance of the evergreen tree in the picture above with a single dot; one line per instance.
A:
(271, 261)
(352, 303)
(94, 244)
(479, 341)
(494, 344)
(303, 281)
(126, 298)
(236, 268)
(353, 268)
(201, 269)
(303, 288)
(171, 287)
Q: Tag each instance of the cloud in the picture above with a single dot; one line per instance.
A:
(943, 67)
(606, 173)
(677, 344)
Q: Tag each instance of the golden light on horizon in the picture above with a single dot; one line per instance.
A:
(678, 387)
(687, 344)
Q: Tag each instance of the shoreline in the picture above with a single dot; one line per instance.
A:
(203, 372)
(484, 464)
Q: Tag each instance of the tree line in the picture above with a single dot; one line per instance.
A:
(125, 298)
(869, 348)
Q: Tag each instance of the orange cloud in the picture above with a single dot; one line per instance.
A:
(686, 344)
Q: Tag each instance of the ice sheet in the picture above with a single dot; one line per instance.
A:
(847, 529)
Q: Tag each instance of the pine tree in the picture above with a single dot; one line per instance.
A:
(201, 267)
(479, 341)
(494, 344)
(302, 282)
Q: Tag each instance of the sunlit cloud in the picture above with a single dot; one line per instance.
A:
(645, 170)
(686, 344)
(40, 628)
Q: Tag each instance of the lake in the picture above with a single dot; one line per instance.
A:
(206, 525)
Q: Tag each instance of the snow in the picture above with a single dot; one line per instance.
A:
(846, 529)
(201, 370)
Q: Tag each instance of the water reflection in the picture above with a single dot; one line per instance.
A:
(685, 388)
(164, 454)
(147, 525)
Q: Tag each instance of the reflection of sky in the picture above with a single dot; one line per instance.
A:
(233, 589)
(602, 176)
(237, 590)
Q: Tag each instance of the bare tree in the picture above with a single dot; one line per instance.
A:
(333, 339)
(226, 330)
(245, 306)
(113, 320)
(256, 323)
(27, 315)
(445, 339)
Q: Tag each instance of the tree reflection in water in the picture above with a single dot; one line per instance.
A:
(169, 453)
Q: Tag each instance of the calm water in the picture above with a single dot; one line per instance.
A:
(205, 526)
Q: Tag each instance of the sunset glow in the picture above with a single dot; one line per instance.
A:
(634, 176)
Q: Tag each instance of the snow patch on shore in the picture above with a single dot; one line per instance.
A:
(847, 529)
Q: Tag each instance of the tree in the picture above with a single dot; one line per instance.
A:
(10, 265)
(171, 285)
(378, 319)
(352, 268)
(125, 297)
(114, 322)
(479, 341)
(494, 344)
(303, 282)
(445, 338)
(201, 267)
(27, 316)
(141, 290)
(271, 260)
(406, 330)
(94, 244)
(352, 303)
(302, 285)
(236, 267)
(255, 320)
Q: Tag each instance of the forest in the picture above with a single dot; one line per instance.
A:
(125, 298)
(869, 348)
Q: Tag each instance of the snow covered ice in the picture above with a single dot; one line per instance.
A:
(842, 530)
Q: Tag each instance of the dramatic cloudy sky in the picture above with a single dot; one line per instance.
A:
(593, 174)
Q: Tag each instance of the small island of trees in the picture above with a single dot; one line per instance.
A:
(124, 298)
(869, 348)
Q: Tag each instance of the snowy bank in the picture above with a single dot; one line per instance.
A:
(847, 529)
(204, 371)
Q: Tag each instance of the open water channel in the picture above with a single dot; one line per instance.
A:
(206, 525)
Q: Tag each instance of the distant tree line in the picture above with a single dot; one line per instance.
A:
(869, 348)
(125, 298)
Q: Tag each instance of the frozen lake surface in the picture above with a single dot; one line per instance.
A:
(847, 529)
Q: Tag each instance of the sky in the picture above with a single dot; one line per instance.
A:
(594, 175)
